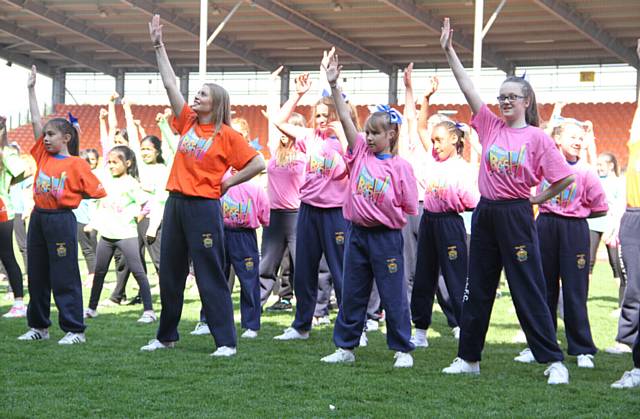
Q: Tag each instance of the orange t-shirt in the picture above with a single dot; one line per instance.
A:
(200, 160)
(62, 181)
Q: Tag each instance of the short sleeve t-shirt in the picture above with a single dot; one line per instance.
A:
(285, 180)
(578, 200)
(61, 182)
(245, 206)
(201, 160)
(451, 186)
(12, 166)
(381, 191)
(514, 159)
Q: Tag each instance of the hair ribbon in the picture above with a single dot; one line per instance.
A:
(394, 115)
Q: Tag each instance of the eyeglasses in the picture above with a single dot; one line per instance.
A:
(512, 98)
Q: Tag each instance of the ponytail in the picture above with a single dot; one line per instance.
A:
(531, 114)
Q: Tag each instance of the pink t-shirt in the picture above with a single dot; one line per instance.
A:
(451, 186)
(284, 182)
(326, 178)
(381, 192)
(582, 197)
(419, 160)
(515, 159)
(245, 206)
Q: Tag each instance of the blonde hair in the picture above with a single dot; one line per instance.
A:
(243, 125)
(286, 153)
(328, 102)
(378, 121)
(221, 106)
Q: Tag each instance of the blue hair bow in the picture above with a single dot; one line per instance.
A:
(394, 116)
(73, 121)
(327, 93)
(255, 144)
(523, 76)
(461, 126)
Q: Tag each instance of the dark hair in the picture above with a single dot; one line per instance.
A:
(66, 128)
(123, 133)
(157, 144)
(453, 128)
(85, 153)
(531, 114)
(612, 159)
(381, 120)
(125, 153)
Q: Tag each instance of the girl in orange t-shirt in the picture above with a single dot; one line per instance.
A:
(192, 221)
(62, 180)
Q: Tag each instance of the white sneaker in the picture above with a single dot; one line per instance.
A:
(372, 325)
(456, 333)
(155, 344)
(460, 366)
(340, 356)
(320, 321)
(629, 379)
(585, 361)
(72, 338)
(364, 341)
(89, 314)
(249, 334)
(35, 334)
(619, 349)
(225, 351)
(201, 329)
(148, 317)
(526, 357)
(557, 373)
(292, 334)
(16, 312)
(403, 360)
(419, 343)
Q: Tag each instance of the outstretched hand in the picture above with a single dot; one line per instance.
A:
(446, 36)
(155, 30)
(276, 73)
(406, 76)
(31, 81)
(432, 87)
(303, 84)
(326, 57)
(333, 69)
(104, 113)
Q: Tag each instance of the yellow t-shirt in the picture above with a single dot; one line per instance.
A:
(633, 175)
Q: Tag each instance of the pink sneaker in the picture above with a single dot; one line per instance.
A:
(16, 312)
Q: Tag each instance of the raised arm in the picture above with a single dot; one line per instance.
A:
(111, 118)
(164, 65)
(463, 79)
(169, 139)
(409, 101)
(423, 116)
(36, 119)
(303, 84)
(344, 114)
(273, 104)
(132, 130)
(105, 140)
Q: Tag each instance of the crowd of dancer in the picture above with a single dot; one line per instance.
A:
(388, 215)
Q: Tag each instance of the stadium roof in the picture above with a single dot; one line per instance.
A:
(111, 36)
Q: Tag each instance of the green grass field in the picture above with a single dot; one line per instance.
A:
(109, 377)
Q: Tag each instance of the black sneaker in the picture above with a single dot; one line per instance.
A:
(282, 305)
(135, 300)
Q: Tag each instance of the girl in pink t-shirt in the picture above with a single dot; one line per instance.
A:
(321, 227)
(516, 156)
(564, 244)
(382, 192)
(451, 188)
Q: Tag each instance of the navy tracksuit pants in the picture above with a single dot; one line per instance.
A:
(192, 227)
(241, 252)
(373, 253)
(630, 307)
(442, 248)
(564, 248)
(503, 234)
(52, 244)
(318, 231)
(277, 237)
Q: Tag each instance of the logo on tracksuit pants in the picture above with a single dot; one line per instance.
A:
(207, 240)
(61, 249)
(521, 253)
(339, 238)
(581, 260)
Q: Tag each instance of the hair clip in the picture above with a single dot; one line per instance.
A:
(394, 116)
(73, 121)
(255, 144)
(523, 76)
(327, 93)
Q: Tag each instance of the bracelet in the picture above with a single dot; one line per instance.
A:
(333, 86)
(160, 45)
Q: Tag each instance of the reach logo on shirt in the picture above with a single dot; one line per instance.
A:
(321, 165)
(238, 213)
(46, 184)
(506, 162)
(371, 188)
(191, 144)
(564, 198)
(437, 189)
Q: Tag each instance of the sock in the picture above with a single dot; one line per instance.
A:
(421, 334)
